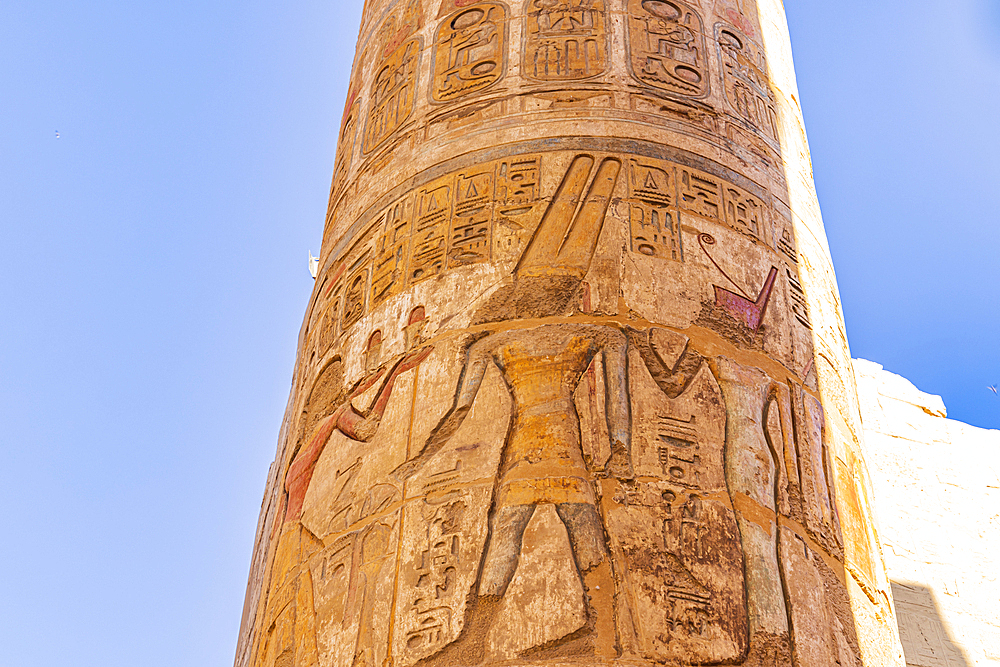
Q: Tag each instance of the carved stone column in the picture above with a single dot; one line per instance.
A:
(573, 385)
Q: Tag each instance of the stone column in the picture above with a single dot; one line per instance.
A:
(573, 385)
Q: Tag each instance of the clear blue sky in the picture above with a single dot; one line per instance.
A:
(153, 275)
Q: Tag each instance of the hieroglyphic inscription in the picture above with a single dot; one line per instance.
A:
(797, 295)
(684, 531)
(667, 47)
(661, 193)
(445, 224)
(710, 197)
(517, 181)
(345, 143)
(471, 222)
(470, 51)
(679, 451)
(744, 212)
(565, 40)
(653, 214)
(332, 572)
(471, 216)
(436, 571)
(686, 572)
(392, 251)
(354, 298)
(744, 71)
(700, 194)
(452, 226)
(786, 243)
(327, 313)
(430, 239)
(392, 94)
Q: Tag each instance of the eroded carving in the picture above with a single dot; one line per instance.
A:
(467, 217)
(289, 614)
(653, 215)
(667, 47)
(748, 90)
(470, 51)
(393, 90)
(565, 40)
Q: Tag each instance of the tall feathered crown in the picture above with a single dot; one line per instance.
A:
(566, 238)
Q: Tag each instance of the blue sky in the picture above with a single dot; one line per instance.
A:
(153, 275)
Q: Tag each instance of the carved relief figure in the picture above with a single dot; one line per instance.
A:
(289, 614)
(470, 52)
(697, 563)
(565, 40)
(542, 461)
(780, 465)
(667, 47)
(675, 527)
(748, 90)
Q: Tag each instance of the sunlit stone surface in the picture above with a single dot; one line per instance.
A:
(573, 386)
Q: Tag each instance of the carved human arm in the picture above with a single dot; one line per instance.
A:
(300, 471)
(477, 360)
(348, 421)
(617, 407)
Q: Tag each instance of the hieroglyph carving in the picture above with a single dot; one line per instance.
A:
(484, 212)
(565, 40)
(345, 143)
(467, 217)
(447, 223)
(667, 47)
(470, 51)
(712, 198)
(433, 577)
(676, 528)
(748, 90)
(662, 195)
(653, 215)
(800, 307)
(392, 94)
(354, 298)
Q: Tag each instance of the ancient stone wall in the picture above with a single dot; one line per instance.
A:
(573, 384)
(937, 485)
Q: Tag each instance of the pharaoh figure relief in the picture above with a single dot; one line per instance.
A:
(557, 398)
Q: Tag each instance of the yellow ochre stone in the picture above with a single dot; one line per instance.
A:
(573, 385)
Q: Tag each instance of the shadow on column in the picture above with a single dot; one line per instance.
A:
(922, 630)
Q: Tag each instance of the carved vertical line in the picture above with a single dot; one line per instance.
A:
(402, 520)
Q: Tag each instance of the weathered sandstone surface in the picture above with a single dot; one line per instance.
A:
(573, 386)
